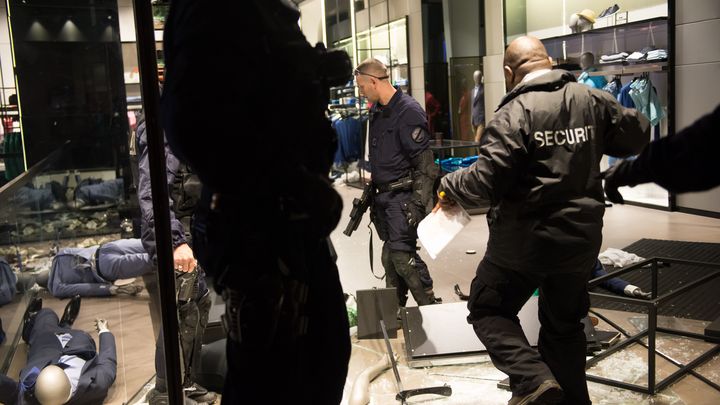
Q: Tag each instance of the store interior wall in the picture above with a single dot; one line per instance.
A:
(8, 79)
(546, 19)
(493, 59)
(464, 28)
(696, 71)
(311, 20)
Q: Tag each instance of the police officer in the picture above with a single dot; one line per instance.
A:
(193, 307)
(403, 171)
(268, 207)
(539, 167)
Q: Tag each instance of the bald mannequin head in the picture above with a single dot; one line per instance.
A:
(522, 56)
(52, 386)
(477, 77)
(372, 78)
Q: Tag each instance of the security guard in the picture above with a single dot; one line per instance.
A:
(539, 168)
(403, 171)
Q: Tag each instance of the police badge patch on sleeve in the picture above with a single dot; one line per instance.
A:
(419, 135)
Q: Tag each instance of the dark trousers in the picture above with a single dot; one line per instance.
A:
(311, 370)
(197, 325)
(406, 271)
(497, 295)
(404, 268)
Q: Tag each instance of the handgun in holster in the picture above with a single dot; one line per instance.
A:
(186, 285)
(360, 205)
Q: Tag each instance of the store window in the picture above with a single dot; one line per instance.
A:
(454, 47)
(70, 218)
(614, 47)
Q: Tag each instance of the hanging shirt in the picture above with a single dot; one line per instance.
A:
(646, 100)
(624, 97)
(349, 134)
(613, 87)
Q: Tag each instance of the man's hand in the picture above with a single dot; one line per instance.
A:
(183, 258)
(101, 325)
(611, 184)
(444, 202)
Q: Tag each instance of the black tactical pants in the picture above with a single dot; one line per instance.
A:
(404, 268)
(402, 271)
(497, 295)
(193, 319)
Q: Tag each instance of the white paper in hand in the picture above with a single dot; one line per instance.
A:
(440, 227)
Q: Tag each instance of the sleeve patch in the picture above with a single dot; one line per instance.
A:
(419, 135)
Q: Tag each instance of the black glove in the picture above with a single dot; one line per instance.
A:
(613, 180)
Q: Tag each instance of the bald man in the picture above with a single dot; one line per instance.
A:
(539, 169)
(403, 172)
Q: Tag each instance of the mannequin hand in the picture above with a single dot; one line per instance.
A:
(183, 258)
(641, 294)
(101, 325)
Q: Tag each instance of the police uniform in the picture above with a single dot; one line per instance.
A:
(539, 167)
(403, 172)
(193, 312)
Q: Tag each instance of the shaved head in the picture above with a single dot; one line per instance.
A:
(372, 78)
(373, 67)
(522, 56)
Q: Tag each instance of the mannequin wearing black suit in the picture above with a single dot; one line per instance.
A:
(98, 372)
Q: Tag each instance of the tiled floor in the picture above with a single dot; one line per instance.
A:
(477, 384)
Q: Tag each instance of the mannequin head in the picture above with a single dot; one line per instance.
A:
(587, 60)
(582, 21)
(522, 56)
(52, 386)
(373, 80)
(478, 77)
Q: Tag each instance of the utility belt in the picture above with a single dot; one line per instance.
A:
(402, 184)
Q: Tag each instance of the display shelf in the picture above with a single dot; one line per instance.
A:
(629, 69)
(608, 29)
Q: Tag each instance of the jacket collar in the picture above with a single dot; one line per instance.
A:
(549, 81)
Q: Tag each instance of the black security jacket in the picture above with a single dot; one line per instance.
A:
(538, 169)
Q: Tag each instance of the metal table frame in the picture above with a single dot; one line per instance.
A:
(651, 332)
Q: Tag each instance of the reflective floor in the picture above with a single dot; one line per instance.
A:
(477, 383)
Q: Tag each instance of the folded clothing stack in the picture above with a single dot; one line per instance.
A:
(657, 54)
(636, 56)
(618, 57)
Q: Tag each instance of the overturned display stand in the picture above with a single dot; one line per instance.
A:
(438, 335)
(652, 330)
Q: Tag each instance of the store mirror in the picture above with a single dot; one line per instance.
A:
(69, 171)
